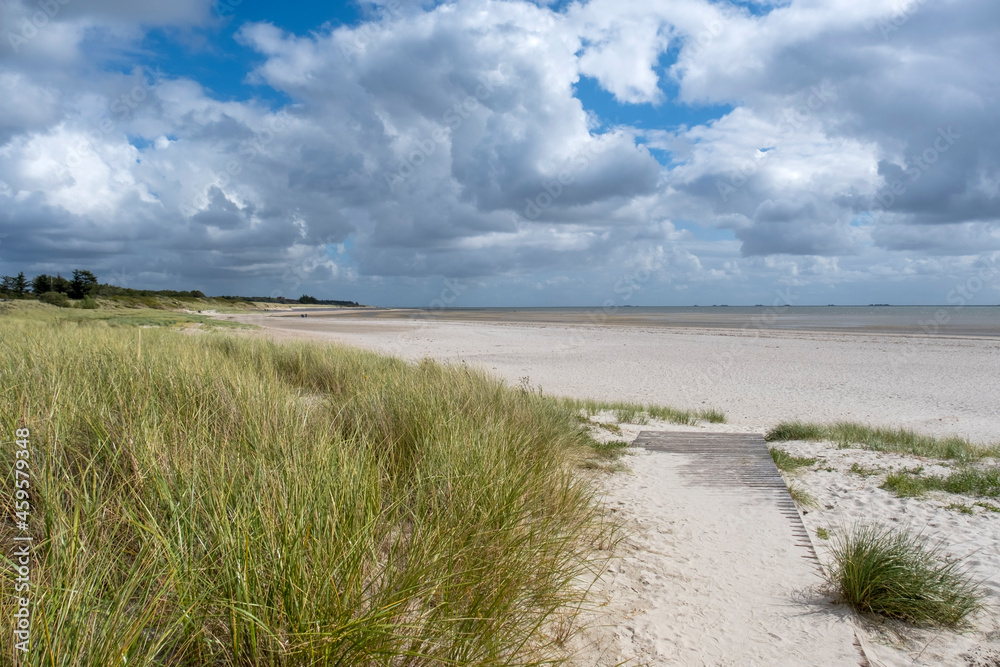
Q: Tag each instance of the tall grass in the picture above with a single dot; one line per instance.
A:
(640, 413)
(899, 574)
(215, 500)
(902, 441)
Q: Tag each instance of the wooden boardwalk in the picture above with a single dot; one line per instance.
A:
(731, 462)
(717, 568)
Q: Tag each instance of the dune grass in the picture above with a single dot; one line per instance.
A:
(898, 574)
(114, 317)
(902, 441)
(638, 413)
(217, 500)
(968, 481)
(788, 462)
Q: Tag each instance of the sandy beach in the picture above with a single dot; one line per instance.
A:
(938, 385)
(660, 590)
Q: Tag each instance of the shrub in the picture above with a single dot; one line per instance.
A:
(88, 303)
(56, 299)
(897, 574)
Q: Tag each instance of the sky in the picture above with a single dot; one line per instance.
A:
(507, 153)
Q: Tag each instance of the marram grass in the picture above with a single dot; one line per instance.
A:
(898, 574)
(218, 500)
(899, 440)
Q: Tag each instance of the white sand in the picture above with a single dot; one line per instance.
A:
(708, 577)
(684, 591)
(939, 386)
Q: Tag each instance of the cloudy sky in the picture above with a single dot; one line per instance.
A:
(506, 152)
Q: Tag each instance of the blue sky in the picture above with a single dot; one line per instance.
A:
(537, 153)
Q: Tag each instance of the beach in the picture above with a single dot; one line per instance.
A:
(669, 564)
(941, 385)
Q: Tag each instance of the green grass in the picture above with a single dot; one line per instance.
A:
(639, 413)
(897, 574)
(787, 462)
(989, 507)
(902, 441)
(968, 481)
(802, 497)
(131, 317)
(822, 533)
(219, 500)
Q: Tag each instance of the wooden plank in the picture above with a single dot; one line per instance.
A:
(730, 462)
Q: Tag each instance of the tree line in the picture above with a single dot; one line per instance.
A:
(85, 286)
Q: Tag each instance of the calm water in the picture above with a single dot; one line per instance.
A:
(935, 320)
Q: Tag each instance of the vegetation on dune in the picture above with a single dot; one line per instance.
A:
(218, 500)
(639, 413)
(969, 481)
(902, 441)
(788, 462)
(84, 288)
(898, 574)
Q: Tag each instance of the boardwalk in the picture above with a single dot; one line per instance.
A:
(719, 569)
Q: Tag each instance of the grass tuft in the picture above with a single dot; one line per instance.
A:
(897, 574)
(802, 497)
(788, 462)
(902, 441)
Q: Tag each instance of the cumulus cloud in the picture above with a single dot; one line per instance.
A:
(449, 140)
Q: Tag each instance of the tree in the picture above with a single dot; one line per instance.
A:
(84, 282)
(20, 285)
(42, 284)
(60, 284)
(8, 284)
(308, 299)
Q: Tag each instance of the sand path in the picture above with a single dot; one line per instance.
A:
(714, 572)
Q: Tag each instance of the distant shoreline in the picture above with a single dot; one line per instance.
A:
(947, 321)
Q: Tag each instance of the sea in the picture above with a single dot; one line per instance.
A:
(947, 320)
